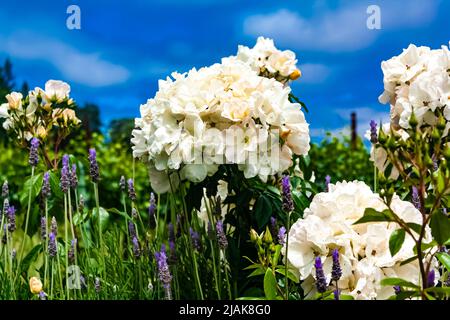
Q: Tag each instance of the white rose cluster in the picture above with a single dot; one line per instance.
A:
(265, 59)
(363, 248)
(226, 113)
(28, 115)
(418, 80)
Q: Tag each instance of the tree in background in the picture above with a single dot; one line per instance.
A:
(120, 131)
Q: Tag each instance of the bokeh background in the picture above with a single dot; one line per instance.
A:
(124, 47)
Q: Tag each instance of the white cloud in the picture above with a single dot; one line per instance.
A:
(314, 73)
(84, 68)
(340, 30)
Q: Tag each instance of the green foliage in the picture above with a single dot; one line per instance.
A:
(340, 160)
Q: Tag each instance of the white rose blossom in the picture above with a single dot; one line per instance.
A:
(363, 248)
(225, 113)
(418, 80)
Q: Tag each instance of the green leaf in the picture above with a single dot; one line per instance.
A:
(398, 282)
(440, 227)
(120, 213)
(104, 217)
(257, 272)
(415, 227)
(30, 257)
(444, 258)
(263, 211)
(409, 260)
(54, 185)
(346, 297)
(290, 274)
(270, 285)
(33, 184)
(372, 215)
(396, 241)
(276, 255)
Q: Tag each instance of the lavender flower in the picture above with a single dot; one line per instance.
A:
(73, 177)
(221, 237)
(34, 157)
(151, 211)
(73, 247)
(195, 238)
(93, 168)
(273, 227)
(97, 285)
(281, 236)
(43, 228)
(336, 271)
(430, 278)
(11, 219)
(132, 229)
(336, 294)
(13, 254)
(5, 189)
(288, 205)
(397, 289)
(136, 247)
(54, 227)
(373, 132)
(42, 295)
(5, 208)
(65, 160)
(52, 248)
(163, 271)
(131, 190)
(46, 189)
(64, 182)
(321, 281)
(122, 184)
(415, 198)
(134, 213)
(327, 183)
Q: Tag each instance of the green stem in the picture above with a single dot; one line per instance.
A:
(288, 222)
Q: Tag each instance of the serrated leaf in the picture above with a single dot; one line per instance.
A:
(396, 241)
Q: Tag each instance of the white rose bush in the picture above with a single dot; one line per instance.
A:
(219, 193)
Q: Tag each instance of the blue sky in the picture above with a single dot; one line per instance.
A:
(124, 47)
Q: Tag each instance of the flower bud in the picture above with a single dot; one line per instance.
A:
(413, 121)
(254, 235)
(295, 75)
(267, 236)
(35, 285)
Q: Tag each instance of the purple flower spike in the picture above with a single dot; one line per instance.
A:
(132, 229)
(321, 281)
(46, 190)
(288, 205)
(373, 132)
(136, 247)
(273, 227)
(221, 237)
(73, 177)
(43, 228)
(173, 254)
(131, 190)
(195, 238)
(34, 157)
(42, 295)
(122, 184)
(163, 271)
(281, 236)
(430, 278)
(336, 271)
(11, 213)
(93, 166)
(73, 247)
(52, 248)
(327, 183)
(54, 227)
(64, 183)
(416, 198)
(5, 190)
